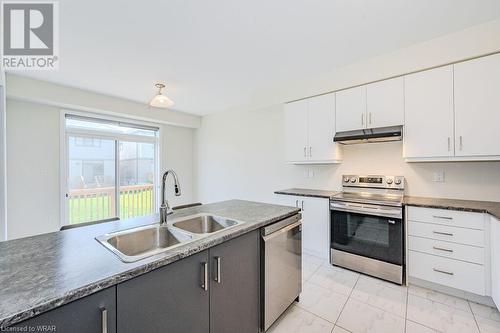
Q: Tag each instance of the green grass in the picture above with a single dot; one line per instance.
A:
(94, 209)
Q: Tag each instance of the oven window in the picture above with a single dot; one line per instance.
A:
(370, 236)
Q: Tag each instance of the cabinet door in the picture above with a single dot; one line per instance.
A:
(234, 285)
(169, 299)
(495, 261)
(477, 107)
(315, 226)
(296, 131)
(350, 109)
(91, 314)
(287, 200)
(429, 114)
(385, 103)
(321, 120)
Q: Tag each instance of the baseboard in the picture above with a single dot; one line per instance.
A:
(485, 300)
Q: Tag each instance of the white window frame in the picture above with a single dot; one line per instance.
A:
(64, 154)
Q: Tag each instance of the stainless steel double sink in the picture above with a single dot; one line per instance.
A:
(138, 243)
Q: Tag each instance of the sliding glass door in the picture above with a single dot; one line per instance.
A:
(111, 168)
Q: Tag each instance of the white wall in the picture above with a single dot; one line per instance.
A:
(3, 167)
(42, 92)
(240, 154)
(177, 154)
(32, 169)
(33, 166)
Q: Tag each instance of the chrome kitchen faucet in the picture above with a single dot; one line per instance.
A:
(165, 209)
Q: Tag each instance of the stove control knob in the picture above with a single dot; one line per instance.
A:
(389, 181)
(353, 180)
(346, 180)
(397, 181)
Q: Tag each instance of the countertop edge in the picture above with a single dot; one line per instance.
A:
(114, 280)
(303, 194)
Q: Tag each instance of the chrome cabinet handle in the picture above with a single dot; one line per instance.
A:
(443, 233)
(449, 144)
(217, 270)
(302, 205)
(310, 151)
(362, 119)
(441, 271)
(297, 203)
(104, 320)
(204, 281)
(442, 249)
(442, 217)
(391, 221)
(461, 142)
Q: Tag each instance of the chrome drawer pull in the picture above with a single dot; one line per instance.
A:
(442, 249)
(104, 320)
(204, 280)
(218, 275)
(444, 272)
(443, 233)
(442, 217)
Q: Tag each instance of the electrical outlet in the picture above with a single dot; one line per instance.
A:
(438, 176)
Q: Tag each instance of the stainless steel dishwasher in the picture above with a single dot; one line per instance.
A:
(281, 263)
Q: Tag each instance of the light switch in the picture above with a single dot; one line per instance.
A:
(438, 176)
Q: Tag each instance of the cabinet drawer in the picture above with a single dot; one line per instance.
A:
(447, 217)
(448, 272)
(446, 249)
(445, 233)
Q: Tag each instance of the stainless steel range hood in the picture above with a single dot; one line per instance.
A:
(370, 135)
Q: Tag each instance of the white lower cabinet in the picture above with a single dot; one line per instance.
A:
(495, 260)
(315, 223)
(449, 248)
(448, 272)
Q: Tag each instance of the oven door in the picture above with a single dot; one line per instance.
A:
(377, 235)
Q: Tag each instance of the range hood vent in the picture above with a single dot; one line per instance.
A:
(371, 135)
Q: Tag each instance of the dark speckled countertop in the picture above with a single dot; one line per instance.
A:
(304, 192)
(42, 272)
(490, 207)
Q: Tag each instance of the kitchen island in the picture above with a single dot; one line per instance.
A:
(44, 272)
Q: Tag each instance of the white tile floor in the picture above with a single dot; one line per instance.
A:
(335, 300)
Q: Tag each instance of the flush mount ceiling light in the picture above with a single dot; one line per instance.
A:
(161, 101)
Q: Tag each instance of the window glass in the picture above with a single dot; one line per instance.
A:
(91, 180)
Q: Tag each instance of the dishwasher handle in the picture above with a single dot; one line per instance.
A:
(282, 231)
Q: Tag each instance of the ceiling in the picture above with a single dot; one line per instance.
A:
(215, 55)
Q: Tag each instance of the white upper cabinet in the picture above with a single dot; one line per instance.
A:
(477, 107)
(385, 103)
(429, 114)
(309, 130)
(321, 122)
(379, 104)
(296, 130)
(351, 109)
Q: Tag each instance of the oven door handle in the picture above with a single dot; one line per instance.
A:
(369, 210)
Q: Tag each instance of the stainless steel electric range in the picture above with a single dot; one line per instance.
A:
(367, 226)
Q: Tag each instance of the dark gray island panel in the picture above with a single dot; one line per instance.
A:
(234, 301)
(95, 313)
(169, 299)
